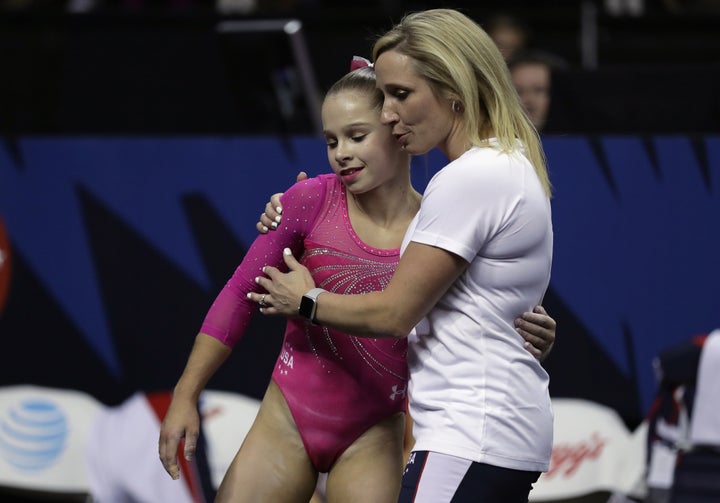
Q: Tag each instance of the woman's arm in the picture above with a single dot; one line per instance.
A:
(394, 312)
(273, 210)
(538, 330)
(536, 327)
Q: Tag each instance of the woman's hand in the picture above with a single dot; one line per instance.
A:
(272, 215)
(538, 330)
(270, 219)
(284, 290)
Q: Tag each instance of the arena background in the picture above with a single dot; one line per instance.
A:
(139, 147)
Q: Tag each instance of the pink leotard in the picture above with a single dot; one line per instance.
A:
(336, 385)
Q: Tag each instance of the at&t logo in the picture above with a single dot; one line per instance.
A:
(33, 434)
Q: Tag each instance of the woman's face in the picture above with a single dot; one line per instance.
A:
(361, 150)
(419, 120)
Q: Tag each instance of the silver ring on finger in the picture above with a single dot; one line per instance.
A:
(262, 301)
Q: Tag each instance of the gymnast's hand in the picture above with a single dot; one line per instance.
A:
(284, 289)
(273, 210)
(538, 330)
(182, 422)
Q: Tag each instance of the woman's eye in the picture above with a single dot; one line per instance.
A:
(331, 143)
(401, 94)
(359, 138)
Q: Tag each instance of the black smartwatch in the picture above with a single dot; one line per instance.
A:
(308, 304)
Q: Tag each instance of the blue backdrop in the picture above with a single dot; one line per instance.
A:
(118, 245)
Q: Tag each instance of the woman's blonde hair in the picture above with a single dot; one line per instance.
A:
(461, 62)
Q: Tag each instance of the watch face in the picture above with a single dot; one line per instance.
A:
(306, 308)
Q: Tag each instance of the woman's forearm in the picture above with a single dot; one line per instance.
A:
(367, 315)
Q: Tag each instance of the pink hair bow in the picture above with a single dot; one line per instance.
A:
(359, 62)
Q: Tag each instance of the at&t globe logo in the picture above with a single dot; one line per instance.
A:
(33, 434)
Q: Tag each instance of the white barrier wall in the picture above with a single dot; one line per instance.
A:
(64, 441)
(43, 435)
(593, 451)
(61, 441)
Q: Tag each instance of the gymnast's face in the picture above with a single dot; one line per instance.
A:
(361, 150)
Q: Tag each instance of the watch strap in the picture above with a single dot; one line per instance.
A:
(313, 294)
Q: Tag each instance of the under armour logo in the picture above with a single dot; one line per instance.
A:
(396, 392)
(411, 461)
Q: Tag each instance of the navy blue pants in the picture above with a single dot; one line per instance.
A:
(431, 477)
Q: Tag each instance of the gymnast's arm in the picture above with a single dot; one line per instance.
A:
(223, 326)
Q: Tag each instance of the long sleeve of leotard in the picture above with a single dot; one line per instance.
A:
(230, 313)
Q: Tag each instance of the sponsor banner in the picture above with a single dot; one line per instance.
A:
(227, 417)
(64, 441)
(131, 432)
(49, 442)
(593, 451)
(122, 459)
(43, 433)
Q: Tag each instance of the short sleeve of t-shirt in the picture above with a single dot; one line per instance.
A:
(470, 200)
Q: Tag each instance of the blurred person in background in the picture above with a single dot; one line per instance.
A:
(509, 34)
(692, 6)
(532, 75)
(532, 78)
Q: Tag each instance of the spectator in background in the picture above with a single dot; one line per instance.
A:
(625, 7)
(692, 6)
(532, 73)
(509, 34)
(532, 78)
(683, 439)
(513, 36)
(532, 69)
(31, 5)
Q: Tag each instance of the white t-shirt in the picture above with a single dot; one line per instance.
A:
(475, 392)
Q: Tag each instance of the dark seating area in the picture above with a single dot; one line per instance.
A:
(172, 71)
